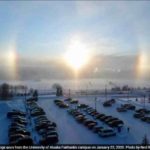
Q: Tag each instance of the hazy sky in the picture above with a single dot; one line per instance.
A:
(44, 29)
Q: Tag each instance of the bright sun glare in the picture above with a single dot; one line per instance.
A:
(77, 55)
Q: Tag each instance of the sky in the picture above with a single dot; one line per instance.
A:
(43, 31)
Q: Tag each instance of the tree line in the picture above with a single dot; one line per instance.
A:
(7, 91)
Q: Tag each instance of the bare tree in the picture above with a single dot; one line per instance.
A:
(5, 91)
(59, 89)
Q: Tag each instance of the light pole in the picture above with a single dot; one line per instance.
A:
(95, 103)
(106, 91)
(144, 101)
(69, 93)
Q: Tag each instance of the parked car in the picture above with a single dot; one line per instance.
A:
(86, 122)
(146, 119)
(138, 115)
(110, 120)
(94, 113)
(15, 128)
(63, 105)
(44, 125)
(50, 133)
(73, 101)
(43, 131)
(99, 116)
(22, 141)
(82, 106)
(107, 104)
(23, 132)
(105, 117)
(37, 113)
(91, 125)
(20, 121)
(106, 132)
(121, 109)
(116, 123)
(12, 113)
(129, 106)
(143, 110)
(52, 139)
(17, 124)
(13, 137)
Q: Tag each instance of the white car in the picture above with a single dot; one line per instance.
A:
(106, 132)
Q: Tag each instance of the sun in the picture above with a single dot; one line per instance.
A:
(77, 55)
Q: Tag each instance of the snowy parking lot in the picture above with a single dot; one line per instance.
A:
(72, 132)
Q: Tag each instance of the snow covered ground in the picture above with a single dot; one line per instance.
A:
(70, 131)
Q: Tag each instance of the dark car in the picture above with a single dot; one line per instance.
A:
(20, 121)
(86, 122)
(143, 110)
(110, 120)
(81, 119)
(49, 133)
(105, 117)
(63, 105)
(57, 101)
(91, 125)
(17, 124)
(45, 130)
(76, 113)
(82, 106)
(146, 119)
(51, 139)
(37, 113)
(23, 132)
(44, 125)
(94, 113)
(138, 115)
(99, 116)
(23, 141)
(107, 104)
(14, 137)
(116, 123)
(121, 109)
(15, 128)
(129, 106)
(40, 117)
(12, 113)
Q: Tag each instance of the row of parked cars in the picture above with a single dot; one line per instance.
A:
(107, 119)
(44, 127)
(109, 103)
(17, 132)
(91, 124)
(125, 107)
(142, 114)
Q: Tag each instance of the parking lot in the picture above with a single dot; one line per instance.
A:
(70, 131)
